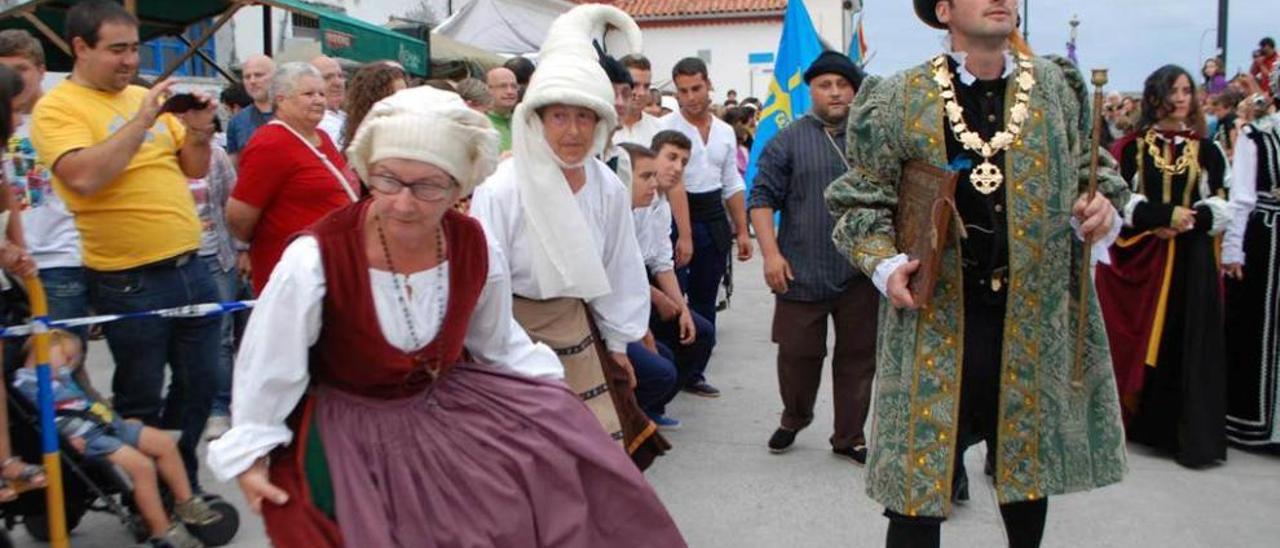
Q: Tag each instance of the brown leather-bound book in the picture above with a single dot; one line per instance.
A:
(926, 200)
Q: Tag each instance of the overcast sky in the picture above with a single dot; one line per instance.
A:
(1130, 37)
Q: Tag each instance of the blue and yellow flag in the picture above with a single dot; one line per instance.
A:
(788, 95)
(858, 45)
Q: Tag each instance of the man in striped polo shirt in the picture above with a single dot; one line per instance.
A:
(810, 278)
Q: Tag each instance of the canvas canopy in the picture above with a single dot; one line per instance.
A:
(511, 27)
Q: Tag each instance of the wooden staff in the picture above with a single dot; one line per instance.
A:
(1086, 264)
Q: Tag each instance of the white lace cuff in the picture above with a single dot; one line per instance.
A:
(885, 269)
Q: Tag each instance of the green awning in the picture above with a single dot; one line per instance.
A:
(341, 35)
(358, 40)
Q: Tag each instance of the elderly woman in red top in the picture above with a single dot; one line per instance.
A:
(291, 174)
(398, 401)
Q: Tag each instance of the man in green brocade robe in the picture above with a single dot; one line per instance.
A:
(993, 356)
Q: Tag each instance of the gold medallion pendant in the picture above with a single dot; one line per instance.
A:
(986, 178)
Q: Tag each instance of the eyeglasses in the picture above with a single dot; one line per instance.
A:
(427, 192)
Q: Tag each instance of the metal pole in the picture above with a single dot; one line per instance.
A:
(1026, 20)
(194, 47)
(1222, 32)
(266, 30)
(213, 63)
(846, 26)
(54, 503)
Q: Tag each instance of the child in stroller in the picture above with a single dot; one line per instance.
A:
(95, 431)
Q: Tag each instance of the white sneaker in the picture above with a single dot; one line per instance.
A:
(216, 426)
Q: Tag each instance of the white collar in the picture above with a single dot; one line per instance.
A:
(967, 78)
(1177, 138)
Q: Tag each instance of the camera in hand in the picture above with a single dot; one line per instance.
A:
(183, 102)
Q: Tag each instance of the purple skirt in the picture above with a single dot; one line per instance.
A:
(484, 458)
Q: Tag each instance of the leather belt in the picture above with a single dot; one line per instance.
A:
(177, 261)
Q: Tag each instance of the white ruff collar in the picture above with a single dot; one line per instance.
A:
(967, 78)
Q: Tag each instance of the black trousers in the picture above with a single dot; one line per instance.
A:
(978, 421)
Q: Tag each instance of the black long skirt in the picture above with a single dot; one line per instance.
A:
(1183, 403)
(1253, 335)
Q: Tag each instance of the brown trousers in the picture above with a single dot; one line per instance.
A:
(800, 331)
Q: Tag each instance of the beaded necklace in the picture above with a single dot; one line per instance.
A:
(403, 291)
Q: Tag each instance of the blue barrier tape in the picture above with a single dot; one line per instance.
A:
(189, 311)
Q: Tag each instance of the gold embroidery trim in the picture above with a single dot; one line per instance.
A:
(877, 246)
(1020, 375)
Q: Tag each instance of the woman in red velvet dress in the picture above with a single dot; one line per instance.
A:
(1161, 294)
(384, 396)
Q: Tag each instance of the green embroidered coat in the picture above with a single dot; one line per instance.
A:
(1054, 438)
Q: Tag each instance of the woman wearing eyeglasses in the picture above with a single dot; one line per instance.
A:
(385, 396)
(291, 174)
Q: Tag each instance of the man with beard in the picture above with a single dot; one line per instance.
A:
(122, 168)
(810, 278)
(994, 355)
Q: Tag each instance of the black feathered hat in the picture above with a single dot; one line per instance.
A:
(617, 72)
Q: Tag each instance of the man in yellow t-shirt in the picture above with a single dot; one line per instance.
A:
(122, 167)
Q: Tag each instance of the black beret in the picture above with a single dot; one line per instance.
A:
(834, 62)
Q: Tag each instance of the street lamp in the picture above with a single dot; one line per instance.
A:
(1216, 53)
(1071, 44)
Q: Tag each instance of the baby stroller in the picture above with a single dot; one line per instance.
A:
(88, 484)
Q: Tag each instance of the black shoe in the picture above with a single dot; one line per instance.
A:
(701, 388)
(857, 453)
(781, 440)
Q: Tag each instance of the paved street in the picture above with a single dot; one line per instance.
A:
(726, 490)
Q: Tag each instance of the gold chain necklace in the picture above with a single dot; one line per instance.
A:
(1172, 167)
(986, 178)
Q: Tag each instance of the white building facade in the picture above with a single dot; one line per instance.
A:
(737, 39)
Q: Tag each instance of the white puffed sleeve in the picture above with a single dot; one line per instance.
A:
(495, 338)
(271, 370)
(1243, 198)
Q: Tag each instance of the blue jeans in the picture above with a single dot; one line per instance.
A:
(691, 359)
(67, 293)
(655, 376)
(142, 347)
(228, 285)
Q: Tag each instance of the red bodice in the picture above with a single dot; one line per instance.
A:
(352, 354)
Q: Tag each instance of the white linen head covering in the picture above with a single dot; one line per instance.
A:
(428, 125)
(566, 261)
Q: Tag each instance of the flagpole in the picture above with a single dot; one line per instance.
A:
(846, 23)
(1026, 21)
